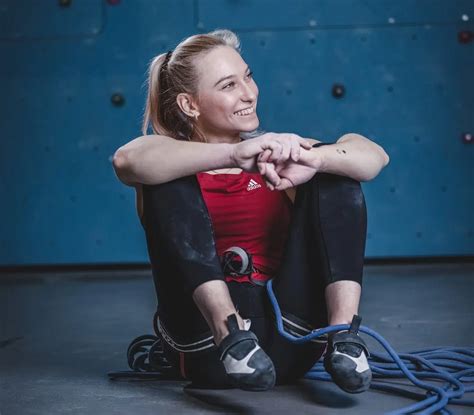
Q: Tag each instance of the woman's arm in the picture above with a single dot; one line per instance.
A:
(352, 155)
(155, 159)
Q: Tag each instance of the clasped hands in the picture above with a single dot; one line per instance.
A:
(284, 160)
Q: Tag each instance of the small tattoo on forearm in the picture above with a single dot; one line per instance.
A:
(341, 151)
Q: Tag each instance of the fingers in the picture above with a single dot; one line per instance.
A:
(268, 174)
(264, 156)
(269, 185)
(284, 184)
(285, 151)
(276, 151)
(281, 148)
(295, 150)
(305, 143)
(271, 176)
(285, 146)
(267, 169)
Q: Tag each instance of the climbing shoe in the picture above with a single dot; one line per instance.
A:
(246, 364)
(346, 360)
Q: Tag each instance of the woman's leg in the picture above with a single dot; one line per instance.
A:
(186, 268)
(321, 273)
(185, 263)
(192, 294)
(323, 261)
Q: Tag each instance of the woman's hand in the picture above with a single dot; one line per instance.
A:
(281, 148)
(352, 156)
(281, 176)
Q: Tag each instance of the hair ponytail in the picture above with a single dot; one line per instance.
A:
(152, 106)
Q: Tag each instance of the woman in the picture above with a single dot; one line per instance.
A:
(294, 205)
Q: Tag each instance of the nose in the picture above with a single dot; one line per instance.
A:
(249, 92)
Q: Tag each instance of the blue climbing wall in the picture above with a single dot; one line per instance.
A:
(72, 75)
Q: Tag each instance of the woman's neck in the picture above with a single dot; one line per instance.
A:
(220, 138)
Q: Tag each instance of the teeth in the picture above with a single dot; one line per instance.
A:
(245, 112)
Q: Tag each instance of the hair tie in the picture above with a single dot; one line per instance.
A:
(167, 58)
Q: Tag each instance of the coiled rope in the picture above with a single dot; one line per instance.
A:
(454, 365)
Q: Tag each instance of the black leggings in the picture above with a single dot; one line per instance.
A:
(326, 243)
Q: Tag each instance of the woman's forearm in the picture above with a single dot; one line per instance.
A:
(155, 159)
(353, 156)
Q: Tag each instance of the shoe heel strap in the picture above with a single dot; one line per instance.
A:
(232, 323)
(234, 338)
(356, 320)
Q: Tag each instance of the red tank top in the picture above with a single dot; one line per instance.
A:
(245, 213)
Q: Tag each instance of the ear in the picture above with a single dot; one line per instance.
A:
(187, 104)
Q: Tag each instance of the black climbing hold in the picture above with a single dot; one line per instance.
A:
(338, 90)
(117, 99)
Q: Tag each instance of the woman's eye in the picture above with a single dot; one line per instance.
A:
(230, 84)
(249, 75)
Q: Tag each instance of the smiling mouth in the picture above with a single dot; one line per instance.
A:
(244, 112)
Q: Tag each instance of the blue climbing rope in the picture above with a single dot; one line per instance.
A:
(453, 365)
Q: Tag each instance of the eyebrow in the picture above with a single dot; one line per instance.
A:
(228, 77)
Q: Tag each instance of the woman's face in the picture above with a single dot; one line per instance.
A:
(227, 94)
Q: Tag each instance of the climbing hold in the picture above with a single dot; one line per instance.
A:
(338, 90)
(117, 99)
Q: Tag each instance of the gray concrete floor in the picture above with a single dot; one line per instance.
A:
(60, 333)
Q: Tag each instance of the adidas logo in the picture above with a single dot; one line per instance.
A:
(252, 185)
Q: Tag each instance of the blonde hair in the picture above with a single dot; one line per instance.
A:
(173, 73)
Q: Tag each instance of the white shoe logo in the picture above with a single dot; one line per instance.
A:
(252, 185)
(361, 362)
(239, 366)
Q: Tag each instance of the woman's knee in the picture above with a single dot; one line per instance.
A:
(339, 189)
(342, 221)
(177, 212)
(179, 231)
(177, 197)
